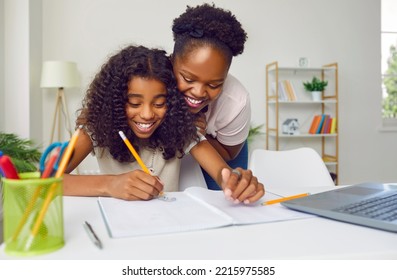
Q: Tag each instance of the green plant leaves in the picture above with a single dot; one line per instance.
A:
(315, 85)
(24, 155)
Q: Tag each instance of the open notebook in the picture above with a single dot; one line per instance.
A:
(195, 208)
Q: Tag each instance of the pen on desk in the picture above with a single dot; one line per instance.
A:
(274, 201)
(91, 234)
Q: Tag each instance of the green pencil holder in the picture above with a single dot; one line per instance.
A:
(33, 215)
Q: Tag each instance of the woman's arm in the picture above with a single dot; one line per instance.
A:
(226, 152)
(210, 160)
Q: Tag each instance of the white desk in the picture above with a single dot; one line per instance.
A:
(313, 238)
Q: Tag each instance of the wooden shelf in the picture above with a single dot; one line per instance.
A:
(304, 107)
(303, 69)
(302, 135)
(303, 102)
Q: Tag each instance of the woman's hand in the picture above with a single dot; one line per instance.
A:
(135, 185)
(239, 185)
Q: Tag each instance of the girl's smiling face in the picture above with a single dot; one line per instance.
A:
(200, 75)
(146, 106)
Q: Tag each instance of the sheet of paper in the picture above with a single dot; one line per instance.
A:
(135, 218)
(246, 214)
(194, 209)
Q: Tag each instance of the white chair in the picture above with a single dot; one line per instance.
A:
(298, 168)
(190, 174)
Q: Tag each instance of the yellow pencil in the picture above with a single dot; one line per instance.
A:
(61, 169)
(134, 153)
(274, 201)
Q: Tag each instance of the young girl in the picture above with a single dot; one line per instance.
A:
(206, 39)
(135, 92)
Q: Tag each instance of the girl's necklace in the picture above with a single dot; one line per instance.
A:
(151, 167)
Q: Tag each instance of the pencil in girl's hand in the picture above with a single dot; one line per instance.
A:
(137, 157)
(134, 153)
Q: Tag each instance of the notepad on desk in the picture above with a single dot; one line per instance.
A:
(195, 208)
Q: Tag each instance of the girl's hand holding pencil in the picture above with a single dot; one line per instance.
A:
(142, 185)
(135, 185)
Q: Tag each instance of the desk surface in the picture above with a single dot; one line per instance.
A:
(313, 238)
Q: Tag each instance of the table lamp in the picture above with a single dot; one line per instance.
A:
(60, 75)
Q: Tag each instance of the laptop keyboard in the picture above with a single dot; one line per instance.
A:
(380, 208)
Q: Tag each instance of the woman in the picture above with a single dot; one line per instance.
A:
(206, 39)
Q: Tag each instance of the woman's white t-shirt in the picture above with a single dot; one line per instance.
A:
(229, 116)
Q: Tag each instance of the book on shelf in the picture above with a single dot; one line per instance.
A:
(282, 92)
(320, 125)
(290, 90)
(327, 129)
(314, 124)
(328, 123)
(324, 126)
(333, 126)
(196, 208)
(329, 158)
(286, 91)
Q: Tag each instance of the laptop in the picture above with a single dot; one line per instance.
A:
(369, 204)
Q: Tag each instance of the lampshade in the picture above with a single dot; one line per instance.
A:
(59, 74)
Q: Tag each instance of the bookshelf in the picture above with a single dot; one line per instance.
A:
(280, 107)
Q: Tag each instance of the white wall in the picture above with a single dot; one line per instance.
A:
(22, 104)
(16, 64)
(2, 115)
(347, 32)
(20, 62)
(35, 61)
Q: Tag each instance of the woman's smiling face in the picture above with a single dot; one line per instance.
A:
(200, 76)
(146, 106)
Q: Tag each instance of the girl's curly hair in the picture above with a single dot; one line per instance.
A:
(103, 112)
(208, 25)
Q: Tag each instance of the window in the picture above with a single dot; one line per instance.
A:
(389, 61)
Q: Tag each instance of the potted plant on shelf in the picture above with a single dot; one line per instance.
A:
(316, 87)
